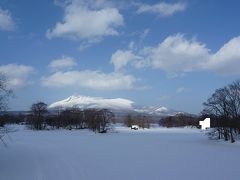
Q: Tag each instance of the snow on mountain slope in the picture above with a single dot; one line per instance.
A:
(156, 110)
(93, 102)
(118, 105)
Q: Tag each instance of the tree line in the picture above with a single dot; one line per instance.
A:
(142, 121)
(180, 120)
(97, 120)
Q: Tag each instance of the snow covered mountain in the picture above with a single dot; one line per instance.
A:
(93, 102)
(117, 105)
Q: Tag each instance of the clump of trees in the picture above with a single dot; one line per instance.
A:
(223, 107)
(97, 120)
(6, 118)
(141, 120)
(68, 118)
(179, 120)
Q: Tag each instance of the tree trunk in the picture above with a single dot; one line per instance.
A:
(231, 134)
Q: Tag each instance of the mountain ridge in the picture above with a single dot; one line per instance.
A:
(114, 104)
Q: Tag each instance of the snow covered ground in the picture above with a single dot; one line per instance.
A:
(155, 154)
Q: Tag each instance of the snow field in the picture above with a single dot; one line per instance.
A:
(155, 154)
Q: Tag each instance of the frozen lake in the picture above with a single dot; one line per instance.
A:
(159, 153)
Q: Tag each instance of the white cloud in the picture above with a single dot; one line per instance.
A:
(6, 21)
(180, 90)
(227, 59)
(178, 55)
(17, 75)
(162, 8)
(62, 63)
(87, 20)
(90, 79)
(121, 58)
(174, 54)
(173, 75)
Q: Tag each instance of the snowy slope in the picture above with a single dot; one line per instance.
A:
(156, 110)
(117, 105)
(92, 102)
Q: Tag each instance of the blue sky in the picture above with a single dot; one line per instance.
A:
(171, 53)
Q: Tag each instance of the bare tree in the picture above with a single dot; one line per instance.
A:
(4, 97)
(4, 92)
(78, 117)
(71, 118)
(224, 107)
(90, 118)
(98, 120)
(105, 117)
(38, 111)
(142, 121)
(128, 121)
